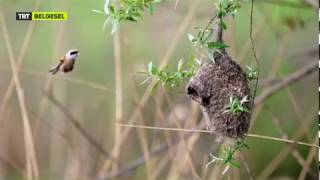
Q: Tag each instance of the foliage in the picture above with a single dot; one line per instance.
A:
(203, 36)
(171, 78)
(235, 105)
(228, 7)
(252, 73)
(227, 155)
(127, 10)
(202, 39)
(131, 10)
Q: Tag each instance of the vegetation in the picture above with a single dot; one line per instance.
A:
(97, 122)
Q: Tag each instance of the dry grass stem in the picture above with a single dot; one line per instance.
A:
(30, 153)
(207, 131)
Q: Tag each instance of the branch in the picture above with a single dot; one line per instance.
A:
(139, 161)
(79, 127)
(296, 76)
(254, 53)
(218, 36)
(285, 3)
(312, 3)
(30, 152)
(208, 131)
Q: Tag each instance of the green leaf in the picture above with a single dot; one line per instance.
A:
(206, 35)
(216, 45)
(106, 6)
(127, 10)
(234, 164)
(111, 9)
(223, 25)
(145, 81)
(152, 70)
(191, 38)
(151, 9)
(180, 65)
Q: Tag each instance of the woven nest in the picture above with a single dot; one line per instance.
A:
(212, 87)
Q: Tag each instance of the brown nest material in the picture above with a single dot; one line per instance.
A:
(212, 87)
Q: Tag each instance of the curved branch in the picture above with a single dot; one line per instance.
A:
(218, 31)
(296, 76)
(87, 136)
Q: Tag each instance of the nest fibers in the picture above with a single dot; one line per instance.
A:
(212, 87)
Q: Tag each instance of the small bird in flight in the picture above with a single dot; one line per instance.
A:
(66, 62)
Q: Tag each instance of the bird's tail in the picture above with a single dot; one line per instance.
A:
(54, 69)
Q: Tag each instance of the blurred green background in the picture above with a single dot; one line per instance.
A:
(285, 35)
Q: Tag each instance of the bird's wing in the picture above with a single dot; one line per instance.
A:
(56, 68)
(62, 59)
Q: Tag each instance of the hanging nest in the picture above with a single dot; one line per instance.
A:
(212, 86)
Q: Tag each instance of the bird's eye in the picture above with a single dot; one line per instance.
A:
(73, 52)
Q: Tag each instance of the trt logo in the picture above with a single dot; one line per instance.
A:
(23, 16)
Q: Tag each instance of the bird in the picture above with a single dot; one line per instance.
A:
(66, 62)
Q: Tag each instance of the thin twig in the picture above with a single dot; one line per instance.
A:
(186, 145)
(309, 159)
(208, 24)
(118, 98)
(254, 52)
(278, 158)
(299, 74)
(246, 165)
(141, 160)
(313, 3)
(68, 79)
(271, 73)
(31, 161)
(143, 137)
(79, 127)
(23, 50)
(208, 131)
(285, 3)
(295, 153)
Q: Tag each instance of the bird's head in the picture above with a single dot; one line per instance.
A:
(72, 54)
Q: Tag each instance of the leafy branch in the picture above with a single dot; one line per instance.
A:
(225, 7)
(126, 10)
(170, 78)
(227, 155)
(203, 36)
(252, 73)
